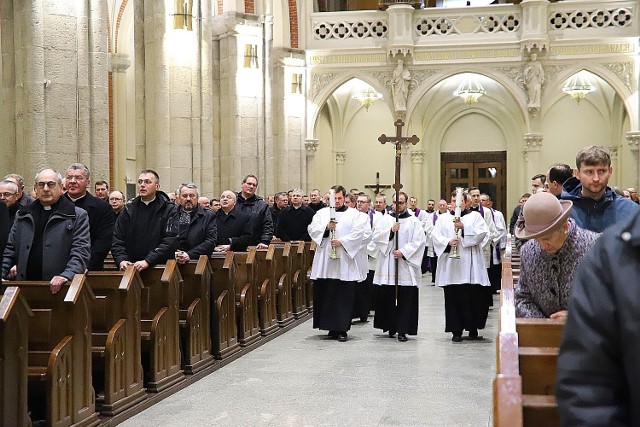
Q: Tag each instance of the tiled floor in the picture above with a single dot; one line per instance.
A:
(303, 379)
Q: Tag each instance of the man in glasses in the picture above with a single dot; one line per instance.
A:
(101, 218)
(116, 201)
(50, 237)
(194, 226)
(9, 195)
(397, 309)
(140, 236)
(23, 198)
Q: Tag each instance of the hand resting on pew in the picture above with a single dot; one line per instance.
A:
(182, 257)
(56, 283)
(138, 265)
(222, 248)
(562, 314)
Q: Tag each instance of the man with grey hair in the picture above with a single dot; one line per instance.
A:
(23, 198)
(50, 237)
(193, 226)
(294, 220)
(234, 226)
(101, 218)
(9, 195)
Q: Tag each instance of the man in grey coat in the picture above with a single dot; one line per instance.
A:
(50, 237)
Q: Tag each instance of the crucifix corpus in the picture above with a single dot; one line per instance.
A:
(378, 187)
(398, 140)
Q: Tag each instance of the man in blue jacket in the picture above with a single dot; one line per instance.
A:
(595, 205)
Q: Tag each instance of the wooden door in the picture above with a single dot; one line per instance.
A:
(485, 170)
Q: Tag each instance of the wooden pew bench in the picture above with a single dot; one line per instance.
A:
(282, 279)
(115, 340)
(59, 353)
(195, 315)
(246, 300)
(526, 362)
(298, 279)
(14, 340)
(224, 334)
(160, 326)
(266, 290)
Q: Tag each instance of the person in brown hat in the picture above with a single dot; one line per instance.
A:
(555, 247)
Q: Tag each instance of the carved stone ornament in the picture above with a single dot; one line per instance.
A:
(311, 145)
(320, 81)
(417, 157)
(633, 138)
(533, 142)
(624, 71)
(341, 156)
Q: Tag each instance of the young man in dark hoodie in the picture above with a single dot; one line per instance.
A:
(595, 205)
(140, 236)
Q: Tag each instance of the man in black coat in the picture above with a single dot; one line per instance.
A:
(194, 227)
(140, 236)
(101, 219)
(5, 225)
(23, 198)
(258, 211)
(9, 195)
(234, 226)
(295, 219)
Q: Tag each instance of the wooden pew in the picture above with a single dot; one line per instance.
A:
(59, 353)
(223, 326)
(298, 279)
(309, 253)
(283, 283)
(115, 340)
(266, 289)
(246, 297)
(161, 326)
(14, 340)
(195, 315)
(526, 355)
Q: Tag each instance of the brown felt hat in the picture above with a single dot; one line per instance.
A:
(542, 213)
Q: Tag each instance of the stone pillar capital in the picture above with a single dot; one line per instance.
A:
(119, 62)
(311, 145)
(633, 138)
(417, 157)
(533, 141)
(341, 156)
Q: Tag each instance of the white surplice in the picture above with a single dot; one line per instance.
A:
(470, 267)
(352, 229)
(411, 242)
(372, 249)
(362, 257)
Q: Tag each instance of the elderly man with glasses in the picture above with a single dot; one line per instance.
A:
(50, 237)
(9, 195)
(140, 236)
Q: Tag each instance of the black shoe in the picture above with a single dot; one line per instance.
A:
(473, 335)
(456, 338)
(333, 334)
(342, 337)
(364, 319)
(402, 338)
(392, 334)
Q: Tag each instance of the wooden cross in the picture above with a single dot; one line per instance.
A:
(398, 140)
(376, 188)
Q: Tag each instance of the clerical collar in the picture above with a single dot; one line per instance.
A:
(404, 214)
(466, 211)
(78, 198)
(430, 211)
(147, 203)
(475, 208)
(53, 206)
(342, 208)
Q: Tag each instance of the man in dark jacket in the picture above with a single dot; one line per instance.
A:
(295, 219)
(194, 227)
(50, 237)
(234, 226)
(9, 195)
(101, 219)
(595, 205)
(5, 225)
(258, 211)
(598, 370)
(140, 236)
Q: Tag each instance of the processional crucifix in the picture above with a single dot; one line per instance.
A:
(398, 140)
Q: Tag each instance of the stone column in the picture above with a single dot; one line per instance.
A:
(534, 25)
(119, 64)
(400, 29)
(311, 147)
(341, 158)
(531, 152)
(416, 189)
(633, 138)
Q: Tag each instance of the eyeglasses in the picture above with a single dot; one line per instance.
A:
(75, 178)
(7, 195)
(50, 184)
(116, 198)
(145, 181)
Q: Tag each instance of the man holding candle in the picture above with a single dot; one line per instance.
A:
(463, 279)
(335, 269)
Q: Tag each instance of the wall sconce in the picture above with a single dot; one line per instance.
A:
(296, 83)
(250, 56)
(183, 15)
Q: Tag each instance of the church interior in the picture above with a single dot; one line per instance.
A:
(299, 93)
